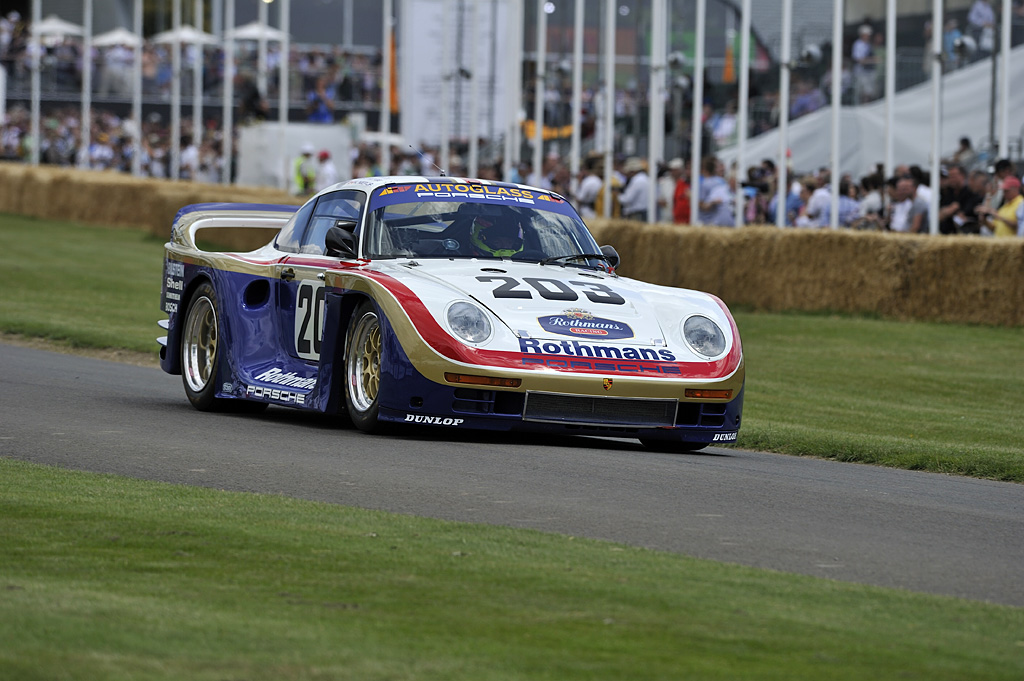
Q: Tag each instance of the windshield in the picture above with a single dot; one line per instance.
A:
(475, 221)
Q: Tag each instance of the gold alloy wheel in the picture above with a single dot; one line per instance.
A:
(364, 362)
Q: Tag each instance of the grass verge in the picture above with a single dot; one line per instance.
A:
(936, 397)
(103, 577)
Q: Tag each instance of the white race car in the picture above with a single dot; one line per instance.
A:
(445, 302)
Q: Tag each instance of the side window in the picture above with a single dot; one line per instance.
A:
(346, 204)
(290, 236)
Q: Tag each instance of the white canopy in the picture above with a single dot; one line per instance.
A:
(254, 31)
(119, 36)
(54, 25)
(186, 34)
(966, 107)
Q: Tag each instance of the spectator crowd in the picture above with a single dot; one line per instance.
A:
(974, 198)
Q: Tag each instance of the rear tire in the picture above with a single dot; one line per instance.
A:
(201, 351)
(363, 353)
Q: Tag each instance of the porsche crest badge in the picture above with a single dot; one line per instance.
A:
(607, 382)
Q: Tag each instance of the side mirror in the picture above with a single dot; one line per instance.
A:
(612, 254)
(339, 240)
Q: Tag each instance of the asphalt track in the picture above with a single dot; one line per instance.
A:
(918, 531)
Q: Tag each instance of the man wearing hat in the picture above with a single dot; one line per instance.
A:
(863, 57)
(326, 172)
(634, 196)
(1009, 219)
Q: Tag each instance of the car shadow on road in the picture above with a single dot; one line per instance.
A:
(407, 433)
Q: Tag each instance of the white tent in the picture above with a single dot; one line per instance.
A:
(255, 31)
(119, 36)
(55, 26)
(187, 35)
(966, 107)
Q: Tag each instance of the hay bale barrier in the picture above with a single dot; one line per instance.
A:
(967, 279)
(115, 199)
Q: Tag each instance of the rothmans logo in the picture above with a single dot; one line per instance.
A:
(582, 324)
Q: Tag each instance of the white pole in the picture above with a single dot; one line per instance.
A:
(447, 73)
(36, 45)
(3, 95)
(175, 92)
(261, 49)
(517, 85)
(837, 106)
(86, 115)
(227, 102)
(890, 86)
(474, 85)
(198, 54)
(346, 26)
(216, 25)
(283, 76)
(385, 94)
(697, 127)
(782, 190)
(137, 90)
(539, 90)
(609, 103)
(933, 208)
(1004, 100)
(656, 105)
(744, 107)
(514, 88)
(575, 146)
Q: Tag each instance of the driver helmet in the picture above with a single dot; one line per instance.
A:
(497, 238)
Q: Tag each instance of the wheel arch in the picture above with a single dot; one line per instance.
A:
(340, 307)
(171, 359)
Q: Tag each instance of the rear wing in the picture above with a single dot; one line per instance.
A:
(228, 216)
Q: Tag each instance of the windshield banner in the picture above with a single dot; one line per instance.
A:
(470, 192)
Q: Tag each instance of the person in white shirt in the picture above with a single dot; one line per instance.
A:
(189, 163)
(588, 189)
(326, 172)
(634, 196)
(901, 208)
(820, 200)
(863, 57)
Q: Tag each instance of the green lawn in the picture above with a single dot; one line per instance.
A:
(108, 578)
(921, 396)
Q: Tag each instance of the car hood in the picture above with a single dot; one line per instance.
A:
(556, 303)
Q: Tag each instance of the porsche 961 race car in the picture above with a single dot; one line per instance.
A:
(447, 303)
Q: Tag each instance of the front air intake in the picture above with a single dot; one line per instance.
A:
(606, 411)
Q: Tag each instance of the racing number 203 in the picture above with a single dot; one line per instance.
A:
(553, 289)
(309, 319)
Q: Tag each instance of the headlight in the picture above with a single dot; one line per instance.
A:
(704, 336)
(468, 322)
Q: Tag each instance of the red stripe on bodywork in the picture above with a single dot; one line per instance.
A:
(441, 341)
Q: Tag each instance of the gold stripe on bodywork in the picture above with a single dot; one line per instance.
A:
(433, 365)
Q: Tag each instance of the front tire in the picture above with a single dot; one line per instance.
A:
(364, 349)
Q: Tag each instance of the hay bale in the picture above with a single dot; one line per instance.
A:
(948, 279)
